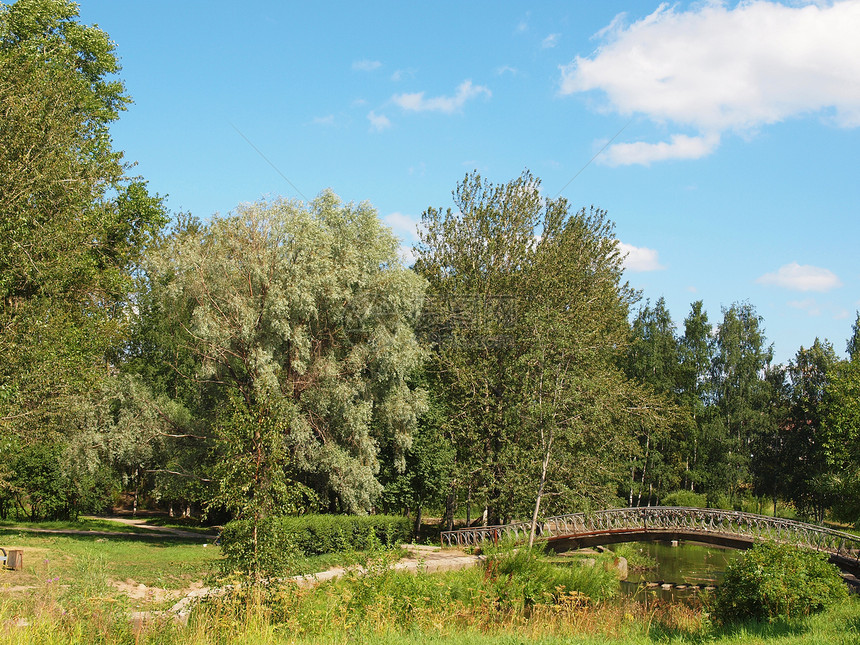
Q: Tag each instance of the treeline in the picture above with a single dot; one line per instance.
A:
(745, 427)
(281, 359)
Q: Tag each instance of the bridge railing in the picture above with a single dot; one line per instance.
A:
(662, 518)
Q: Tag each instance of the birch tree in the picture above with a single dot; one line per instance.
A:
(526, 314)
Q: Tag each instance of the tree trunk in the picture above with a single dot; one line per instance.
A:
(136, 490)
(469, 505)
(450, 505)
(544, 467)
(416, 528)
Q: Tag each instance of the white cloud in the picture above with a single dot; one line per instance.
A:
(801, 278)
(366, 65)
(404, 226)
(679, 147)
(406, 255)
(401, 74)
(550, 41)
(447, 104)
(506, 69)
(328, 119)
(639, 259)
(717, 68)
(378, 122)
(809, 305)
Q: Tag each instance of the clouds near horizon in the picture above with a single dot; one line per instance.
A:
(716, 69)
(801, 277)
(639, 259)
(417, 102)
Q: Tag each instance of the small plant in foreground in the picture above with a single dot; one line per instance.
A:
(778, 581)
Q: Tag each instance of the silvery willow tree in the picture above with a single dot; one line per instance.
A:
(295, 321)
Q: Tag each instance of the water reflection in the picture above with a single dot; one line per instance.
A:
(688, 567)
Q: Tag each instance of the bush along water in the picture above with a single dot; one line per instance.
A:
(775, 581)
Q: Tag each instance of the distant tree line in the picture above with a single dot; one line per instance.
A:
(746, 428)
(282, 360)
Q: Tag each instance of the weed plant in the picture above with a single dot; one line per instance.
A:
(517, 597)
(637, 560)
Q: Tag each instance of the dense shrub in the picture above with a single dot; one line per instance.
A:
(523, 577)
(684, 498)
(511, 585)
(778, 581)
(281, 539)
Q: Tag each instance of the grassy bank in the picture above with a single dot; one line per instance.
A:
(83, 524)
(616, 622)
(68, 594)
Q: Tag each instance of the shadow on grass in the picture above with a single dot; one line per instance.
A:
(148, 539)
(748, 631)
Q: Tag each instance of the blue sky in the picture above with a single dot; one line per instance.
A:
(733, 129)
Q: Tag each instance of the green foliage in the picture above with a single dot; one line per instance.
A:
(637, 558)
(519, 584)
(73, 227)
(841, 435)
(294, 323)
(804, 471)
(778, 581)
(525, 314)
(281, 539)
(45, 485)
(684, 498)
(523, 577)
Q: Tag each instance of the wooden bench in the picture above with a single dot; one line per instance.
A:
(12, 559)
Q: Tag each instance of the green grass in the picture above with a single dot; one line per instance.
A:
(83, 524)
(516, 601)
(167, 563)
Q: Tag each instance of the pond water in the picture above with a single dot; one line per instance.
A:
(685, 565)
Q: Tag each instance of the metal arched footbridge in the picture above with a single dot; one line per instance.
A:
(657, 523)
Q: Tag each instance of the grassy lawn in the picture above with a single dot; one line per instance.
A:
(77, 559)
(83, 524)
(82, 589)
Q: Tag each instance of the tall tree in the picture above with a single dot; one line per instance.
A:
(300, 322)
(72, 229)
(474, 258)
(740, 396)
(526, 315)
(695, 392)
(841, 425)
(805, 460)
(853, 345)
(654, 358)
(73, 223)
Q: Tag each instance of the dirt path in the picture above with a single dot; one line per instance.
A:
(141, 523)
(421, 558)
